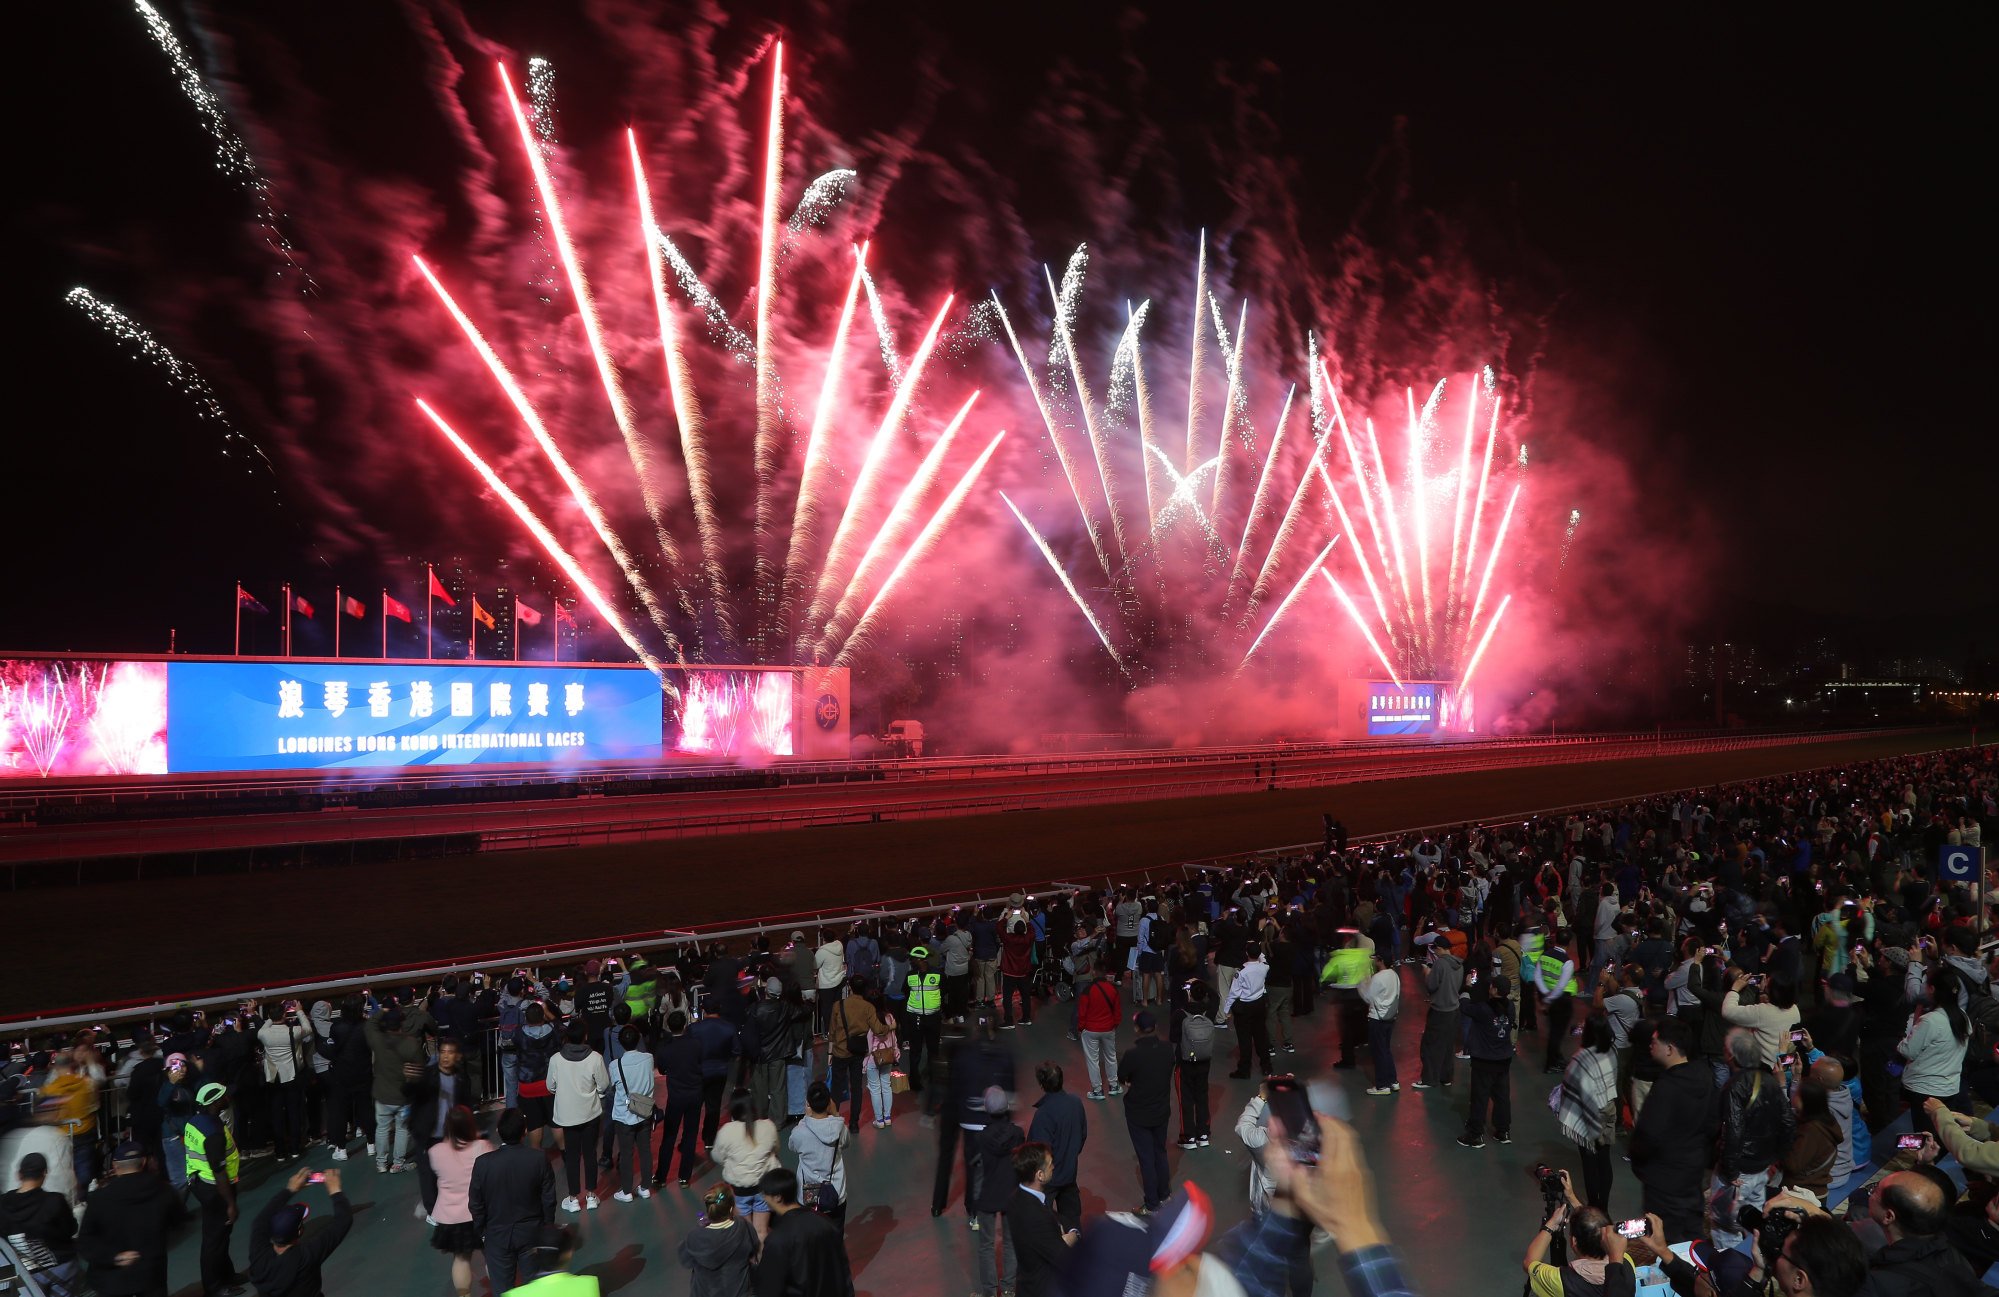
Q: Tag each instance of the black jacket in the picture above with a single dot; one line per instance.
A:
(1758, 1123)
(680, 1064)
(804, 1256)
(1674, 1139)
(295, 1272)
(1147, 1073)
(976, 1067)
(996, 1178)
(1059, 1123)
(1037, 1244)
(346, 1048)
(128, 1213)
(426, 1096)
(43, 1216)
(1920, 1267)
(512, 1188)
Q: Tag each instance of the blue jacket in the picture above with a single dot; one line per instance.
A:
(717, 1037)
(1059, 1123)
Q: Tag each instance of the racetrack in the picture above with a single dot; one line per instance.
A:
(189, 936)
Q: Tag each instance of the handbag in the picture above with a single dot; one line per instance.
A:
(857, 1041)
(640, 1105)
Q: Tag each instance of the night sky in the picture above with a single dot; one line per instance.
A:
(1757, 243)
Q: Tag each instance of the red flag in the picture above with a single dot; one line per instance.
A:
(395, 608)
(244, 599)
(563, 614)
(300, 606)
(526, 615)
(353, 607)
(481, 616)
(437, 590)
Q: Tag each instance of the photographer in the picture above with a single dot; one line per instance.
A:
(1600, 1266)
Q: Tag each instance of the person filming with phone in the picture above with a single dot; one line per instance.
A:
(1600, 1263)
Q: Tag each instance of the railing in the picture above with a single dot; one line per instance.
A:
(594, 821)
(137, 1012)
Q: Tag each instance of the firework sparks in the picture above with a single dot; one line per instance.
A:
(1055, 440)
(926, 541)
(1055, 565)
(1360, 624)
(1257, 502)
(770, 417)
(1284, 605)
(181, 376)
(883, 334)
(807, 511)
(1464, 682)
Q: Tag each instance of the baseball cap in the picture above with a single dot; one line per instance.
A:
(1180, 1227)
(798, 934)
(209, 1093)
(129, 1151)
(1728, 1266)
(1145, 1021)
(773, 986)
(920, 952)
(288, 1222)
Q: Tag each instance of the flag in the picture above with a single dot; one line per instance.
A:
(481, 616)
(353, 607)
(395, 608)
(244, 599)
(563, 614)
(300, 606)
(526, 615)
(437, 590)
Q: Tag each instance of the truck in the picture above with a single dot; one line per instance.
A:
(904, 739)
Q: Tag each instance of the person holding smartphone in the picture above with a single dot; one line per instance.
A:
(1595, 1245)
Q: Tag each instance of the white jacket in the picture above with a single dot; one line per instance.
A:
(743, 1151)
(579, 1086)
(1254, 1134)
(1382, 994)
(830, 962)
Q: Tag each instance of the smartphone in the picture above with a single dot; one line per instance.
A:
(1798, 1036)
(317, 1177)
(1471, 978)
(1908, 1142)
(1292, 1107)
(1787, 1060)
(1636, 1227)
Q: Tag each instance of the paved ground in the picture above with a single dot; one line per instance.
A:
(189, 936)
(1460, 1218)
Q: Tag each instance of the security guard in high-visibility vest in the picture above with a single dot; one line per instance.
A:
(1349, 965)
(1532, 939)
(1555, 979)
(924, 1014)
(212, 1168)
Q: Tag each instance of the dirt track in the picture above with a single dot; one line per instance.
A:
(189, 936)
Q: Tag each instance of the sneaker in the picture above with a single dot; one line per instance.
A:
(1290, 1048)
(974, 1223)
(1463, 1056)
(381, 1168)
(1379, 1089)
(1190, 1143)
(1006, 1026)
(621, 1196)
(590, 1201)
(1420, 1085)
(371, 1150)
(1470, 1143)
(1397, 1087)
(398, 1168)
(1096, 1094)
(1502, 1137)
(571, 1205)
(340, 1155)
(1115, 1091)
(879, 1123)
(1203, 1141)
(684, 1182)
(644, 1192)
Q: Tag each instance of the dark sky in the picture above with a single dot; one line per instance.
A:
(1763, 234)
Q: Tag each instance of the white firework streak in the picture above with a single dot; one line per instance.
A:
(1127, 375)
(819, 199)
(1261, 587)
(1055, 440)
(1285, 605)
(183, 377)
(1195, 364)
(720, 327)
(1065, 314)
(1235, 404)
(1256, 503)
(882, 332)
(1183, 493)
(926, 540)
(806, 510)
(1055, 565)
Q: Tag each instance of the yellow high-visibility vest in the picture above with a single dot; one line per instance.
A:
(924, 995)
(197, 1154)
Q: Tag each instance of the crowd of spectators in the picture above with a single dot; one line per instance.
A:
(1735, 991)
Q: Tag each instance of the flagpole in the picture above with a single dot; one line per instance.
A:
(239, 621)
(557, 655)
(475, 628)
(429, 610)
(517, 630)
(385, 623)
(339, 611)
(288, 619)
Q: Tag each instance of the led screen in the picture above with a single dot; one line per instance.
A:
(735, 713)
(1394, 709)
(79, 718)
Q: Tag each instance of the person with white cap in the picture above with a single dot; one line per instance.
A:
(213, 1166)
(923, 1018)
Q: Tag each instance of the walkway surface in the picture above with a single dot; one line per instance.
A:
(288, 926)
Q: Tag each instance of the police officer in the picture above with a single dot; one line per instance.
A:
(923, 1015)
(1555, 979)
(1349, 965)
(213, 1167)
(1532, 942)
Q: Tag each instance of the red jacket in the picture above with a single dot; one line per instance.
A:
(1017, 954)
(1099, 1008)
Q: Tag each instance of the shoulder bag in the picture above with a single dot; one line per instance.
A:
(639, 1105)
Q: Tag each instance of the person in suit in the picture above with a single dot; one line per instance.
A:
(1040, 1243)
(512, 1198)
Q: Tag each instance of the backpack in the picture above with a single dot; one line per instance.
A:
(1197, 1038)
(510, 1020)
(1159, 935)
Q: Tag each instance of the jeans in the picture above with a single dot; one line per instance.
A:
(1491, 1085)
(1752, 1189)
(1149, 1142)
(579, 1155)
(797, 1080)
(985, 1246)
(1440, 1040)
(511, 1087)
(391, 1122)
(1100, 1056)
(629, 1134)
(681, 1122)
(881, 1089)
(1380, 1038)
(1194, 1099)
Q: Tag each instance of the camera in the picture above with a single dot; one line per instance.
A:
(1550, 1180)
(1771, 1227)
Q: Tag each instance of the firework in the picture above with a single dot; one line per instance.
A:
(1360, 624)
(1055, 564)
(806, 515)
(1284, 605)
(181, 376)
(769, 414)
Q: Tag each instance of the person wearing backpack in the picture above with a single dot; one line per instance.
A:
(1193, 1050)
(1155, 938)
(534, 1044)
